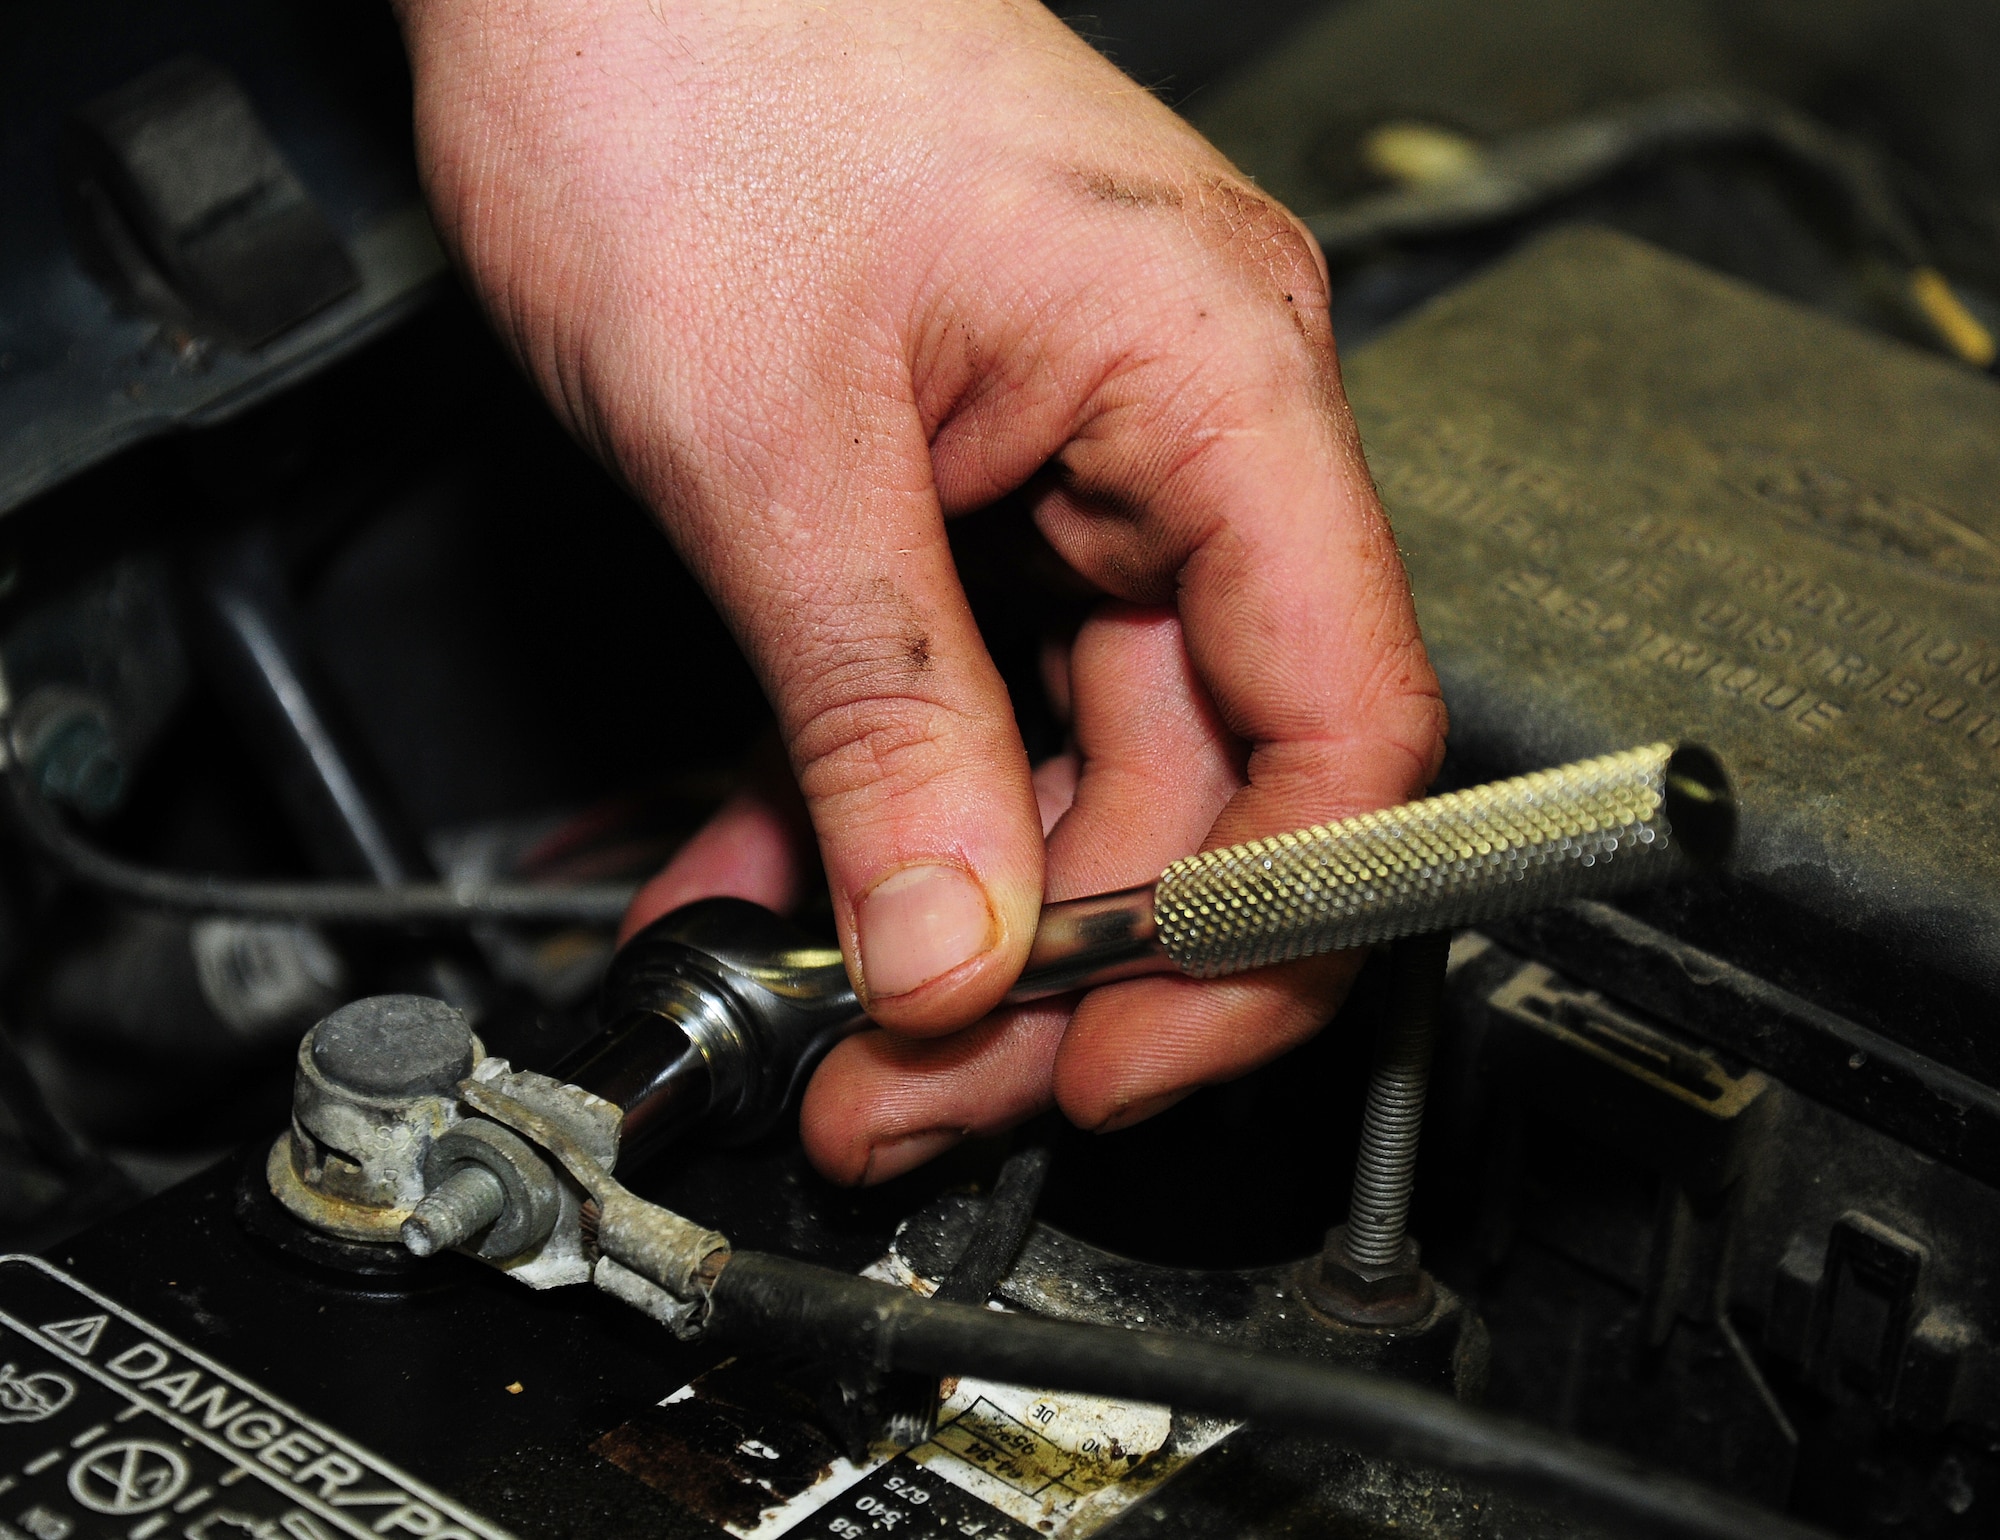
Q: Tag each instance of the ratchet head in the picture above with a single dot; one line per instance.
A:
(714, 1016)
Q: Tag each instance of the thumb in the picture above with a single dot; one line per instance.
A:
(899, 728)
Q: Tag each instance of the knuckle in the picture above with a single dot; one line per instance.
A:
(1227, 215)
(1412, 720)
(878, 747)
(1259, 234)
(1399, 693)
(859, 725)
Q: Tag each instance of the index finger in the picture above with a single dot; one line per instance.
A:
(1220, 463)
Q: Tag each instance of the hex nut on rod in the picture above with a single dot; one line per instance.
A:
(459, 1205)
(1394, 1293)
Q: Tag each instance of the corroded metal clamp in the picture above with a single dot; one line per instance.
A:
(405, 1131)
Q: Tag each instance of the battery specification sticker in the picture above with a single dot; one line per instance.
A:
(746, 1450)
(109, 1427)
(1004, 1463)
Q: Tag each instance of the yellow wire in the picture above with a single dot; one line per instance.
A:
(1961, 330)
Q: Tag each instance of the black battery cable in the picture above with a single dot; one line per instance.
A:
(767, 1302)
(326, 902)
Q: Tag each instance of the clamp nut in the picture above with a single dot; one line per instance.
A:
(530, 1201)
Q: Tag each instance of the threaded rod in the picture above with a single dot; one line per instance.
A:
(1385, 1166)
(454, 1211)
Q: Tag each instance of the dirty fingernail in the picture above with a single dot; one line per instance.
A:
(919, 924)
(896, 1156)
(1139, 1111)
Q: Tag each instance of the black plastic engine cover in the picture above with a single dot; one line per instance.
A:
(1641, 501)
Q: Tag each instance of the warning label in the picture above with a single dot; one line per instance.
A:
(109, 1427)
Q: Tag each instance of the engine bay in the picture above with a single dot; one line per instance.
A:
(338, 675)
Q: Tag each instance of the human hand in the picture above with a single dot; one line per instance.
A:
(814, 278)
